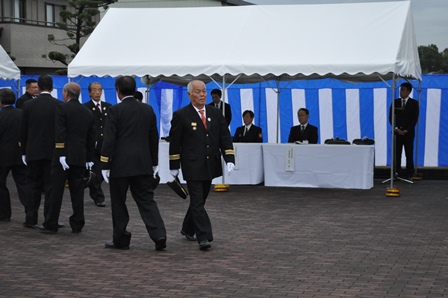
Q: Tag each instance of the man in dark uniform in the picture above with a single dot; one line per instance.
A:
(304, 132)
(99, 109)
(32, 90)
(248, 133)
(10, 155)
(37, 141)
(75, 142)
(222, 106)
(406, 117)
(198, 137)
(130, 156)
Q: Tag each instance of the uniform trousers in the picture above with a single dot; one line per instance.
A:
(19, 176)
(143, 195)
(75, 177)
(406, 141)
(39, 179)
(196, 220)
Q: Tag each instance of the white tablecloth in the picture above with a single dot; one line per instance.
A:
(248, 165)
(326, 166)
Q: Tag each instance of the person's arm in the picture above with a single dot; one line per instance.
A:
(314, 135)
(291, 138)
(175, 141)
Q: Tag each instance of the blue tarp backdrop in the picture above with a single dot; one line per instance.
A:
(338, 109)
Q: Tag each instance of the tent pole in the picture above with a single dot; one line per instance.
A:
(224, 88)
(392, 152)
(278, 108)
(419, 90)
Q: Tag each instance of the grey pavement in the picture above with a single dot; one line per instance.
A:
(269, 242)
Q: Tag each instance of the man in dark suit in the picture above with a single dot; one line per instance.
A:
(130, 156)
(305, 132)
(99, 110)
(199, 135)
(37, 135)
(10, 155)
(31, 91)
(248, 133)
(218, 103)
(406, 117)
(74, 145)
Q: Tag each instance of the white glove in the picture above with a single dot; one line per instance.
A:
(230, 166)
(89, 165)
(24, 159)
(105, 174)
(174, 173)
(63, 161)
(155, 170)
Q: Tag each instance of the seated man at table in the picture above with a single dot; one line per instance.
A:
(305, 132)
(248, 133)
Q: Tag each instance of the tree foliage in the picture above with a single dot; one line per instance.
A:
(431, 60)
(78, 22)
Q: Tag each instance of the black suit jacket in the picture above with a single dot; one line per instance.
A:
(10, 153)
(100, 121)
(75, 133)
(310, 134)
(37, 130)
(405, 119)
(131, 139)
(254, 135)
(22, 99)
(228, 111)
(198, 150)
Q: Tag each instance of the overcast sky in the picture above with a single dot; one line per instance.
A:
(430, 17)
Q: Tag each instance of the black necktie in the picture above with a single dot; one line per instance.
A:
(303, 128)
(403, 103)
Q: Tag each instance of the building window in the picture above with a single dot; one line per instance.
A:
(52, 14)
(14, 9)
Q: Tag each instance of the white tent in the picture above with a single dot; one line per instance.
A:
(361, 41)
(8, 70)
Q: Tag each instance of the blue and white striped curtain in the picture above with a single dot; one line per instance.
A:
(339, 109)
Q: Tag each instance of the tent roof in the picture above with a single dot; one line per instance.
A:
(8, 70)
(360, 41)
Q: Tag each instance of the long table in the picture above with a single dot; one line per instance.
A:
(325, 166)
(248, 165)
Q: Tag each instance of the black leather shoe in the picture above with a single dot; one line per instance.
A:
(189, 237)
(204, 245)
(60, 224)
(45, 230)
(100, 204)
(161, 243)
(28, 225)
(111, 244)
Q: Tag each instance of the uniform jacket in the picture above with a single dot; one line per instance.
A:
(310, 134)
(196, 150)
(406, 118)
(228, 111)
(10, 153)
(100, 121)
(37, 130)
(131, 139)
(75, 133)
(22, 99)
(254, 135)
